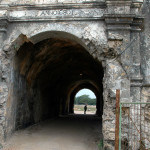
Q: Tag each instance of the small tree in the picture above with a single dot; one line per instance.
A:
(85, 99)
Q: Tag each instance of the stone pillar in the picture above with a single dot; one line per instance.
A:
(3, 85)
(136, 76)
(121, 19)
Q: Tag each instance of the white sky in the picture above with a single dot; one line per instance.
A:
(87, 92)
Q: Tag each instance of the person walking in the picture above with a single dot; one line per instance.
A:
(85, 109)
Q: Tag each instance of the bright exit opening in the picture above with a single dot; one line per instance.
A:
(85, 102)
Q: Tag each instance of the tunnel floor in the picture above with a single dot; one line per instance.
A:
(73, 132)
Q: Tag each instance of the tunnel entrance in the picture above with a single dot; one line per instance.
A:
(47, 75)
(85, 102)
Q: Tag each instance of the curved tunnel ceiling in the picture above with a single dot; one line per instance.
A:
(58, 61)
(56, 67)
(85, 85)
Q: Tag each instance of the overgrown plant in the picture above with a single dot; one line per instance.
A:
(101, 145)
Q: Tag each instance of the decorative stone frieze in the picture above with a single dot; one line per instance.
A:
(58, 12)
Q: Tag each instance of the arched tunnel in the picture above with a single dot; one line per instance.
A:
(96, 90)
(48, 74)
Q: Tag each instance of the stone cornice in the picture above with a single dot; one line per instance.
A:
(119, 18)
(137, 24)
(119, 2)
(137, 3)
(123, 22)
(136, 81)
(54, 6)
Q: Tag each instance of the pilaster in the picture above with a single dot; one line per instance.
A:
(124, 24)
(3, 86)
(136, 76)
(118, 19)
(3, 30)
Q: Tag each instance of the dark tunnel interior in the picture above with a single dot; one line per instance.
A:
(47, 77)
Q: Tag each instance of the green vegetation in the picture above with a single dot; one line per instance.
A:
(101, 145)
(84, 99)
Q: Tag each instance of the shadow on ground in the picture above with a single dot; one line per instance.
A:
(73, 132)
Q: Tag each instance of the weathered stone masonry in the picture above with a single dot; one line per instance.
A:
(96, 30)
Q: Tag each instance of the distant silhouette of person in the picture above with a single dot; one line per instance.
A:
(85, 109)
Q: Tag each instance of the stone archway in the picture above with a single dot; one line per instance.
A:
(43, 75)
(19, 69)
(90, 101)
(97, 90)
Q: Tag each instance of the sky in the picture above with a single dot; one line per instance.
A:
(87, 92)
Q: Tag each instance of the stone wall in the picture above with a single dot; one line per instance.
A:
(104, 28)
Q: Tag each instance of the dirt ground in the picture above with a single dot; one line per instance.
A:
(82, 112)
(74, 132)
(79, 109)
